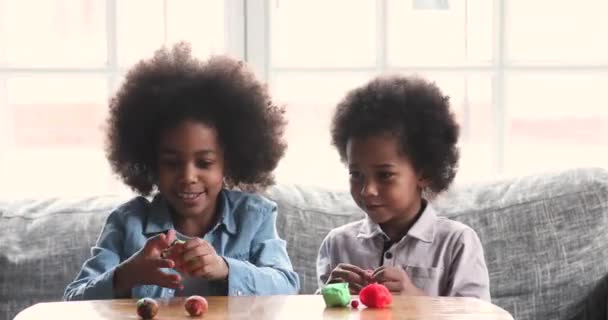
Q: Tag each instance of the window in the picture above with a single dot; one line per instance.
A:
(525, 78)
(60, 63)
(525, 86)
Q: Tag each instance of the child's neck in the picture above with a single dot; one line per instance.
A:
(196, 226)
(396, 229)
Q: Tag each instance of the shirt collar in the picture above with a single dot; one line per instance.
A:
(159, 217)
(423, 229)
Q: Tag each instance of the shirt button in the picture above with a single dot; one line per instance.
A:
(239, 293)
(388, 255)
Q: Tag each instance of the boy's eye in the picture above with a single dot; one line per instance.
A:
(355, 175)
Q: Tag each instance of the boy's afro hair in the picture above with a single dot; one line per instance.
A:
(173, 86)
(412, 110)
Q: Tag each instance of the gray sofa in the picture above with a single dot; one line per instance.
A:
(545, 239)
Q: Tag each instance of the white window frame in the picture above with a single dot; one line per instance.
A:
(247, 37)
(258, 54)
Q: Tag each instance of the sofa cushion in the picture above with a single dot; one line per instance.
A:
(43, 244)
(545, 239)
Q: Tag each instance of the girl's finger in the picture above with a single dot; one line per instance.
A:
(170, 237)
(162, 263)
(169, 284)
(195, 253)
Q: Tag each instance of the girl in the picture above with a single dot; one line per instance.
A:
(191, 130)
(398, 138)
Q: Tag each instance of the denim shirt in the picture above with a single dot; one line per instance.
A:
(245, 236)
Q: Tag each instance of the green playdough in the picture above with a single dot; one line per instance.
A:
(336, 294)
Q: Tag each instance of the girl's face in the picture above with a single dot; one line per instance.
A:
(382, 181)
(191, 168)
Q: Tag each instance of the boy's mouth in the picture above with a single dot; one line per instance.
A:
(372, 207)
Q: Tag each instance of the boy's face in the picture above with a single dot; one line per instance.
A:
(191, 168)
(382, 181)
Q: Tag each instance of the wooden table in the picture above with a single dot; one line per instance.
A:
(305, 307)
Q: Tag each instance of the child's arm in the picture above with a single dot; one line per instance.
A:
(324, 265)
(468, 276)
(96, 276)
(106, 276)
(329, 272)
(269, 271)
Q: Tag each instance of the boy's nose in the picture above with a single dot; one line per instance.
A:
(369, 189)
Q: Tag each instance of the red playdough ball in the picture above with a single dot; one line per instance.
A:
(147, 308)
(354, 304)
(375, 296)
(196, 305)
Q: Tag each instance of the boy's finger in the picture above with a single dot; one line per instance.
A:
(393, 286)
(380, 275)
(351, 268)
(348, 276)
(378, 270)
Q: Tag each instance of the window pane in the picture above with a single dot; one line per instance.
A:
(556, 122)
(311, 100)
(141, 32)
(471, 101)
(454, 33)
(53, 33)
(55, 142)
(554, 31)
(319, 33)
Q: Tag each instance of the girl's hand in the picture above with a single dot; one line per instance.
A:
(356, 277)
(199, 259)
(144, 267)
(396, 280)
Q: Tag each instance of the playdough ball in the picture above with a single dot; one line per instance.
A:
(354, 304)
(336, 294)
(196, 305)
(147, 308)
(375, 296)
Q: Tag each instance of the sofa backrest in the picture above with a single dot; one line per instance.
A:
(43, 244)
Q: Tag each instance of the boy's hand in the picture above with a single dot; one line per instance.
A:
(199, 259)
(144, 267)
(396, 280)
(356, 277)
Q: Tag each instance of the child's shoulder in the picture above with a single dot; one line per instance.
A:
(137, 207)
(248, 202)
(455, 231)
(347, 231)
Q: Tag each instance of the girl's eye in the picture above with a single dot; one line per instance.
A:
(203, 164)
(169, 163)
(385, 175)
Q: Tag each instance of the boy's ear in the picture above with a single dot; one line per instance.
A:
(422, 182)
